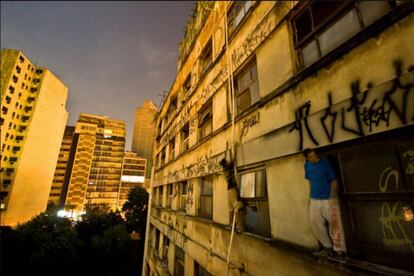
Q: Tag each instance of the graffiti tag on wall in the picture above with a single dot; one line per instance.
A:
(254, 39)
(362, 114)
(207, 165)
(393, 232)
(249, 122)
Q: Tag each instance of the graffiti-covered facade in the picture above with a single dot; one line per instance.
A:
(257, 83)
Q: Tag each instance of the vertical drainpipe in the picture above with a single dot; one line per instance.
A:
(148, 221)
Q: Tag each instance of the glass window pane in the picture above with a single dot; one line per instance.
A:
(383, 224)
(367, 169)
(206, 206)
(338, 33)
(260, 184)
(243, 101)
(373, 10)
(247, 185)
(322, 10)
(310, 53)
(207, 187)
(303, 26)
(406, 154)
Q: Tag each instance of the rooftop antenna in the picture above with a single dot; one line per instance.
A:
(163, 97)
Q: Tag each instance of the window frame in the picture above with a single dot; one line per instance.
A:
(205, 120)
(202, 210)
(179, 260)
(206, 57)
(261, 201)
(316, 31)
(358, 247)
(251, 68)
(185, 138)
(232, 14)
(183, 191)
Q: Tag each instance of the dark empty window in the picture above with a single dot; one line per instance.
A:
(185, 136)
(206, 57)
(170, 195)
(4, 109)
(183, 195)
(200, 271)
(206, 197)
(18, 69)
(15, 79)
(179, 261)
(187, 84)
(205, 121)
(172, 149)
(246, 87)
(11, 89)
(377, 189)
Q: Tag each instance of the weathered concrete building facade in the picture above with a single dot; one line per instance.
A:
(258, 82)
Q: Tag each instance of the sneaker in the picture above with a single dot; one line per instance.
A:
(328, 252)
(340, 254)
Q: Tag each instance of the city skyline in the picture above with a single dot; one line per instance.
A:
(112, 55)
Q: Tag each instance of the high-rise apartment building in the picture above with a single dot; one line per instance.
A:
(60, 183)
(133, 175)
(33, 118)
(144, 132)
(257, 83)
(97, 164)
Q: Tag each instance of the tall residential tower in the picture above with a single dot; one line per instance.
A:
(99, 150)
(33, 119)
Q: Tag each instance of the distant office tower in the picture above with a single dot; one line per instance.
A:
(133, 175)
(99, 150)
(61, 178)
(33, 119)
(144, 133)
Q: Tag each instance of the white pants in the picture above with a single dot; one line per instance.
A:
(324, 211)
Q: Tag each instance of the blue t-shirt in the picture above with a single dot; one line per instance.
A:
(320, 176)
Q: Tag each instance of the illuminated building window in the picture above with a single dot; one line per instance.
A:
(206, 197)
(246, 87)
(253, 193)
(322, 26)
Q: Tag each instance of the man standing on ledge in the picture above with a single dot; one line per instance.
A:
(324, 207)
